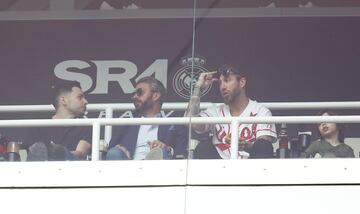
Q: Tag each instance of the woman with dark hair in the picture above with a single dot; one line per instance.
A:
(331, 143)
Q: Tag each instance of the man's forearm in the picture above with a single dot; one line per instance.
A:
(82, 149)
(78, 154)
(193, 110)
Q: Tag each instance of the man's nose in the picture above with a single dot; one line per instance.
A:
(222, 87)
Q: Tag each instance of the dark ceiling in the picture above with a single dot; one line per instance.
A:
(24, 5)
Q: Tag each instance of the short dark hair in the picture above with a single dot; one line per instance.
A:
(339, 126)
(229, 68)
(63, 87)
(155, 85)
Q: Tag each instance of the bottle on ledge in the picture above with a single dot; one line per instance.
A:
(304, 140)
(12, 151)
(283, 151)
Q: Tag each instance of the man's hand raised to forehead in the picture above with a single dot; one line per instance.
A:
(205, 79)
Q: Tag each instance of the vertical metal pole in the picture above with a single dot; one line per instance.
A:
(193, 81)
(108, 129)
(234, 139)
(95, 141)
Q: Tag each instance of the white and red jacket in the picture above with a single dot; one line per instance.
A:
(247, 132)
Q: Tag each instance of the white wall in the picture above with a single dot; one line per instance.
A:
(181, 186)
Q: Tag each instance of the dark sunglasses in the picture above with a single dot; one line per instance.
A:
(226, 71)
(138, 92)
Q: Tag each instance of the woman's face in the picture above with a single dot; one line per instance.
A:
(328, 129)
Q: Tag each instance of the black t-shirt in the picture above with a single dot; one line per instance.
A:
(69, 137)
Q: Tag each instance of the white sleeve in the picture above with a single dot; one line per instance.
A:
(209, 112)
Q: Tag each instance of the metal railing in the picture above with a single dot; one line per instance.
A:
(183, 105)
(98, 122)
(109, 108)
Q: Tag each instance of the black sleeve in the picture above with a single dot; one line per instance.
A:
(117, 135)
(86, 134)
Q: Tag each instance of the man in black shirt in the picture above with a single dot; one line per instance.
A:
(63, 143)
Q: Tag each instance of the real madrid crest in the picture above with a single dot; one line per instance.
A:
(185, 78)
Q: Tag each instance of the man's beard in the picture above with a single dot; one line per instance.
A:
(229, 99)
(79, 113)
(140, 109)
(232, 97)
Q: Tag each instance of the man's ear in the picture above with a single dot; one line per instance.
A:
(242, 82)
(62, 100)
(156, 96)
